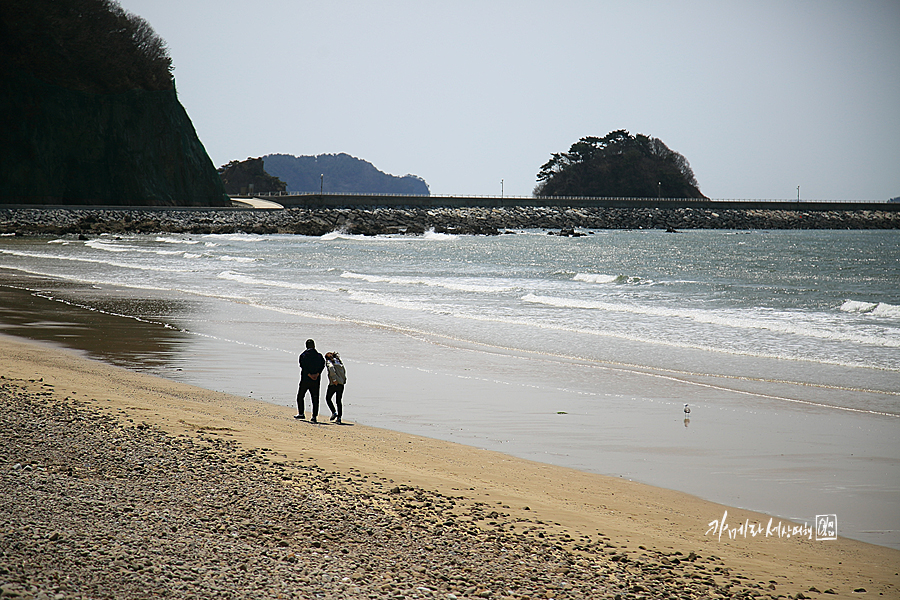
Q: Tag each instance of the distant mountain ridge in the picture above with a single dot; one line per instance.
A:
(340, 173)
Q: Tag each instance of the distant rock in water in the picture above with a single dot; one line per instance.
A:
(340, 173)
(89, 112)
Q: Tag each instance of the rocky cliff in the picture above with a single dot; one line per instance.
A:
(89, 112)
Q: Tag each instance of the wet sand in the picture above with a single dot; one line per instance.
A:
(643, 523)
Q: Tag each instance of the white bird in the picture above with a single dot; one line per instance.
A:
(687, 409)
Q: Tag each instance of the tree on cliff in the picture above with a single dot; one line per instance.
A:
(249, 177)
(89, 113)
(340, 173)
(618, 165)
(86, 45)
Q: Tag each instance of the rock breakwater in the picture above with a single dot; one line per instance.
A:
(418, 220)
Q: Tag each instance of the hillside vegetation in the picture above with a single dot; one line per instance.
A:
(87, 45)
(340, 173)
(89, 112)
(618, 165)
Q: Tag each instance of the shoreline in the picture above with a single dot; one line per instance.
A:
(628, 515)
(737, 453)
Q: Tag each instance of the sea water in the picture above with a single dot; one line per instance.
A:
(576, 351)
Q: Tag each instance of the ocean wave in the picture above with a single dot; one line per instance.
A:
(428, 235)
(595, 278)
(881, 309)
(174, 240)
(90, 280)
(660, 341)
(236, 237)
(288, 285)
(241, 259)
(338, 235)
(95, 261)
(392, 301)
(787, 324)
(118, 247)
(432, 235)
(601, 278)
(455, 285)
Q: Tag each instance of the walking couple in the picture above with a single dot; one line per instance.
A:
(311, 366)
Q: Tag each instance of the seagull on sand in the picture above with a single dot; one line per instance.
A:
(687, 410)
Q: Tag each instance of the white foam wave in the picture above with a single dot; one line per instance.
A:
(393, 238)
(172, 240)
(289, 285)
(398, 302)
(432, 235)
(726, 318)
(595, 278)
(240, 259)
(428, 235)
(858, 307)
(455, 285)
(237, 237)
(101, 245)
(342, 235)
(453, 311)
(90, 280)
(117, 247)
(887, 310)
(881, 309)
(95, 261)
(601, 279)
(653, 340)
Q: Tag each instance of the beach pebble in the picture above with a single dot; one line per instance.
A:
(124, 510)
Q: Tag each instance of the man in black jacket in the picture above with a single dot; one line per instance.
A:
(311, 366)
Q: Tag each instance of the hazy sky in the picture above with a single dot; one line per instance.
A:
(759, 96)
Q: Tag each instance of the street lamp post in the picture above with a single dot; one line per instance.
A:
(321, 183)
(501, 188)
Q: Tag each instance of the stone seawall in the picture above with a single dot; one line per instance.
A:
(459, 220)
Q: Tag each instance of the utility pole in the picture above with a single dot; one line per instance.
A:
(501, 188)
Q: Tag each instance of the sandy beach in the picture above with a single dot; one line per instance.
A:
(483, 514)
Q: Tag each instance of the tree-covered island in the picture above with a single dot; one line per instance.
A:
(618, 165)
